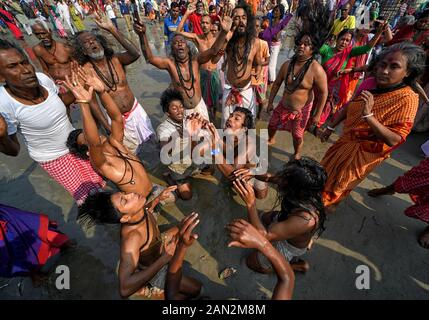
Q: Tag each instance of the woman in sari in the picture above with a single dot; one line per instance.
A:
(336, 62)
(376, 121)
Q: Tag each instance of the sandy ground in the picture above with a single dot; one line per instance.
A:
(364, 231)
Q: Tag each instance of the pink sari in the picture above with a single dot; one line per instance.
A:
(337, 86)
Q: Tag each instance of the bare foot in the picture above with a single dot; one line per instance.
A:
(297, 156)
(424, 238)
(381, 191)
(300, 266)
(271, 141)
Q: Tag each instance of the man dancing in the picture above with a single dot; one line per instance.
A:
(92, 52)
(209, 76)
(183, 67)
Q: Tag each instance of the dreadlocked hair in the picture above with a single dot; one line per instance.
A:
(316, 22)
(301, 182)
(98, 208)
(250, 34)
(78, 52)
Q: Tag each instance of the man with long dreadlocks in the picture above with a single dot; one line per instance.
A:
(92, 52)
(242, 52)
(301, 75)
(183, 67)
(209, 75)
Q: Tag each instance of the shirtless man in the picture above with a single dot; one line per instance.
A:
(92, 52)
(56, 60)
(108, 156)
(145, 252)
(209, 76)
(242, 51)
(301, 75)
(184, 69)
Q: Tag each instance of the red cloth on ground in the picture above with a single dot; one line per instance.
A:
(415, 182)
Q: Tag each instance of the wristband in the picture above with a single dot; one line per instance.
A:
(215, 152)
(330, 128)
(368, 115)
(82, 101)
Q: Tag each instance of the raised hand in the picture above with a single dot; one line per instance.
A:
(245, 190)
(91, 79)
(76, 87)
(165, 194)
(368, 98)
(103, 22)
(3, 127)
(194, 123)
(139, 27)
(244, 235)
(226, 20)
(186, 237)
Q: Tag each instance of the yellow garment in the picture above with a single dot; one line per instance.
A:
(349, 23)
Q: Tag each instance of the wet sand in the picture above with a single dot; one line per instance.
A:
(374, 232)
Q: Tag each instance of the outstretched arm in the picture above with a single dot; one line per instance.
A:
(281, 76)
(132, 53)
(269, 33)
(190, 35)
(226, 24)
(244, 235)
(90, 129)
(174, 274)
(159, 62)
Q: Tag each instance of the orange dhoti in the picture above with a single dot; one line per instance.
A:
(358, 151)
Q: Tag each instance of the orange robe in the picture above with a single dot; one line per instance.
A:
(358, 151)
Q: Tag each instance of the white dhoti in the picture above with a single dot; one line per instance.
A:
(237, 97)
(272, 66)
(137, 127)
(201, 108)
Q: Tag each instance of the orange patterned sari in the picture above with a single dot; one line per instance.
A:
(358, 150)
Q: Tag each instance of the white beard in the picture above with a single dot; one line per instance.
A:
(98, 55)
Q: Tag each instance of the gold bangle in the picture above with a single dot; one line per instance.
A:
(82, 101)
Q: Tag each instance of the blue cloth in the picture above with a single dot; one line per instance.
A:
(170, 28)
(125, 9)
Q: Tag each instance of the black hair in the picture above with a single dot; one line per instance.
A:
(248, 117)
(98, 208)
(317, 22)
(79, 150)
(416, 60)
(6, 45)
(345, 31)
(174, 5)
(171, 94)
(212, 7)
(301, 183)
(78, 52)
(282, 10)
(250, 34)
(423, 14)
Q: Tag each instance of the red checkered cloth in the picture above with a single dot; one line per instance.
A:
(76, 176)
(415, 182)
(292, 121)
